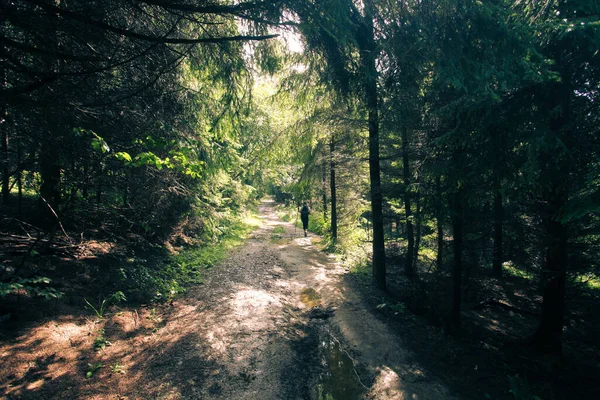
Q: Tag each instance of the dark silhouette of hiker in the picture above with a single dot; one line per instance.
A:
(304, 217)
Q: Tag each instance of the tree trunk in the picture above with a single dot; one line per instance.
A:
(410, 236)
(20, 180)
(50, 169)
(73, 179)
(5, 160)
(469, 255)
(4, 130)
(440, 224)
(419, 223)
(457, 244)
(324, 187)
(498, 231)
(99, 181)
(368, 58)
(86, 180)
(50, 174)
(332, 188)
(549, 332)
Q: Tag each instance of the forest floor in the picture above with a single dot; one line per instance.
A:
(277, 319)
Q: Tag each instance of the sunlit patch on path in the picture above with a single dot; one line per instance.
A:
(254, 308)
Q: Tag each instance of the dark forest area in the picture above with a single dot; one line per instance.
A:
(449, 151)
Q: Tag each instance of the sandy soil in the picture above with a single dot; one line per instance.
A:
(277, 320)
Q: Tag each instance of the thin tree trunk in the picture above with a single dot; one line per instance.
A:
(50, 175)
(20, 180)
(368, 55)
(5, 153)
(417, 232)
(510, 249)
(332, 188)
(49, 163)
(440, 224)
(498, 230)
(86, 179)
(549, 332)
(410, 235)
(324, 187)
(99, 181)
(73, 178)
(5, 160)
(50, 187)
(419, 223)
(469, 255)
(457, 244)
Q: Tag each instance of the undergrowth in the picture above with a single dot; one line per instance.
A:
(37, 286)
(513, 270)
(158, 275)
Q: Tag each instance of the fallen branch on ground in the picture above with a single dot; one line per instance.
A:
(502, 304)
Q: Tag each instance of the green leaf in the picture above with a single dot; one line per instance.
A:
(123, 156)
(146, 158)
(100, 145)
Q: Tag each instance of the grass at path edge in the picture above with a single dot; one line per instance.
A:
(160, 276)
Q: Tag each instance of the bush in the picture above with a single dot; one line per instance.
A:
(317, 224)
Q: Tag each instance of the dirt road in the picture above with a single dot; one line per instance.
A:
(276, 320)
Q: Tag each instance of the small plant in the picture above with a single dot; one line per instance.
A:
(321, 395)
(154, 316)
(396, 308)
(277, 233)
(92, 368)
(174, 290)
(279, 230)
(100, 342)
(116, 297)
(117, 368)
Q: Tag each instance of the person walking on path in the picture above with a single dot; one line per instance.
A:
(304, 217)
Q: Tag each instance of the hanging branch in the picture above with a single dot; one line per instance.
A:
(140, 36)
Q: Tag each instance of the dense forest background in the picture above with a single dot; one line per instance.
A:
(449, 147)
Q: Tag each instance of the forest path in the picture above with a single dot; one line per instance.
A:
(276, 321)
